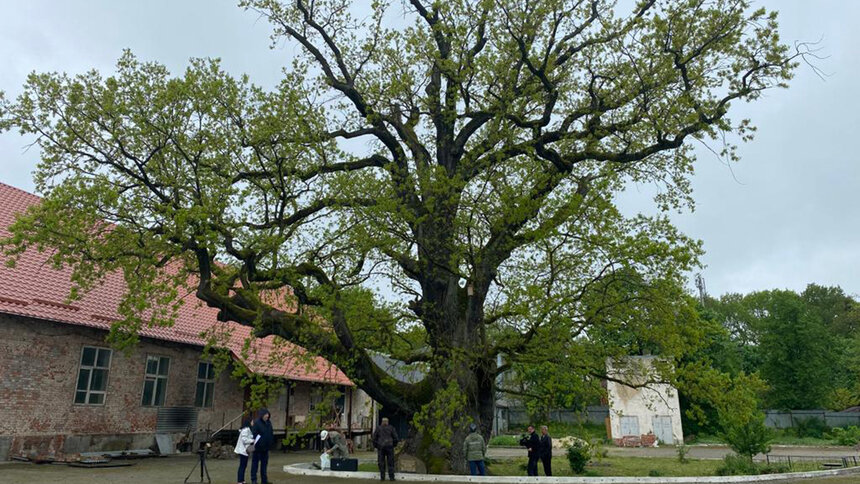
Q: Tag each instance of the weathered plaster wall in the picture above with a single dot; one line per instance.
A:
(656, 400)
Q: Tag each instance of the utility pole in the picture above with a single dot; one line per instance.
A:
(700, 285)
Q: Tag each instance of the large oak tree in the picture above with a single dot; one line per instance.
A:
(432, 180)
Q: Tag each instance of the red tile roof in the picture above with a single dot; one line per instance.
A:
(35, 289)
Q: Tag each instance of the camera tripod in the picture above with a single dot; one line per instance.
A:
(201, 453)
(202, 463)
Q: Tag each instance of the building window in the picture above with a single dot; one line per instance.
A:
(630, 425)
(155, 381)
(205, 384)
(93, 376)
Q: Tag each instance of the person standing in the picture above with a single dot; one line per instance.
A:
(246, 438)
(265, 439)
(532, 443)
(475, 450)
(385, 439)
(545, 450)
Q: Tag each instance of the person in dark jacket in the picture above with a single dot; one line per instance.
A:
(385, 439)
(265, 437)
(532, 442)
(545, 451)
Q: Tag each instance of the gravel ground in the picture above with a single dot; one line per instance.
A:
(155, 470)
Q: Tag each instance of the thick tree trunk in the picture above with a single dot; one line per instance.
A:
(454, 319)
(440, 459)
(462, 361)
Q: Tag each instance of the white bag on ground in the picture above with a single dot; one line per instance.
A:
(325, 461)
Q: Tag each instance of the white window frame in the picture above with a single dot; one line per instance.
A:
(208, 386)
(155, 378)
(88, 392)
(627, 421)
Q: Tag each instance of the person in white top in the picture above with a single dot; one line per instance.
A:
(246, 438)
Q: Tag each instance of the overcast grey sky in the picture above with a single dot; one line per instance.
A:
(786, 215)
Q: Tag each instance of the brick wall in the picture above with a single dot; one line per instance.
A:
(39, 363)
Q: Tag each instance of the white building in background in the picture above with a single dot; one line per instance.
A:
(638, 415)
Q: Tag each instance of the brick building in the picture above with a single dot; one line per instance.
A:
(63, 390)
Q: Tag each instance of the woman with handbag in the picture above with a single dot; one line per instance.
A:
(244, 447)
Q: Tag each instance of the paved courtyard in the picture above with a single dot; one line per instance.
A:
(175, 469)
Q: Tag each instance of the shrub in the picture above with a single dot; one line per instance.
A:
(748, 438)
(598, 450)
(810, 427)
(845, 436)
(654, 473)
(578, 454)
(508, 440)
(683, 450)
(737, 465)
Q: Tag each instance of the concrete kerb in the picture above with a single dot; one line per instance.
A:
(307, 469)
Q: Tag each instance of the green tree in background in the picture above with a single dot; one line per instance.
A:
(464, 157)
(733, 312)
(798, 352)
(805, 346)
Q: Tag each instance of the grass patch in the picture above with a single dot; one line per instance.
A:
(587, 432)
(613, 466)
(735, 465)
(616, 466)
(807, 441)
(781, 437)
(505, 440)
(584, 431)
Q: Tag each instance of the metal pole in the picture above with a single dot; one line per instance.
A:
(228, 423)
(349, 415)
(287, 410)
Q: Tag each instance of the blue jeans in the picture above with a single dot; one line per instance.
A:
(243, 464)
(477, 468)
(261, 458)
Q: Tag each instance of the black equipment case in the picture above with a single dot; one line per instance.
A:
(344, 464)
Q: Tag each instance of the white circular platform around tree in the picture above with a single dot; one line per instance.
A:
(310, 470)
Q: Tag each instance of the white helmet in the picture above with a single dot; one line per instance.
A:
(324, 435)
